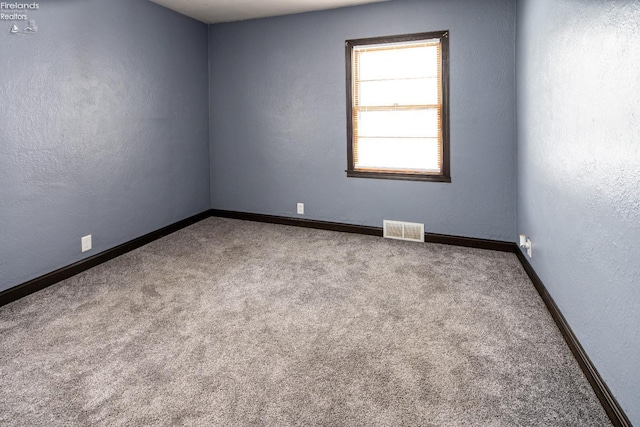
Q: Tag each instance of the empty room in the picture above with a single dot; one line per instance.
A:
(324, 212)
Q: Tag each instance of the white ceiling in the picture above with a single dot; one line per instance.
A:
(215, 11)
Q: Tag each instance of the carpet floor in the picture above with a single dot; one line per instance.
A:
(235, 323)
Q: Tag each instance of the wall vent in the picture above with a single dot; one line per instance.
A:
(403, 230)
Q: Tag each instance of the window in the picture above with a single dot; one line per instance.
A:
(397, 107)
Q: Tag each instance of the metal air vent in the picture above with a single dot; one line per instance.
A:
(410, 231)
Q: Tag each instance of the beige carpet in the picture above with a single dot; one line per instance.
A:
(238, 323)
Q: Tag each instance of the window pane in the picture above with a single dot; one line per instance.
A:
(418, 154)
(402, 92)
(398, 63)
(399, 123)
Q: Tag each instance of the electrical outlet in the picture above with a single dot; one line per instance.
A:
(301, 208)
(525, 243)
(86, 243)
(523, 240)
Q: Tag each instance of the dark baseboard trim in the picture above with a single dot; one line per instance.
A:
(297, 222)
(470, 242)
(39, 283)
(609, 403)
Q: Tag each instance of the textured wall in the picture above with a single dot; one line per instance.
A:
(579, 173)
(278, 118)
(103, 130)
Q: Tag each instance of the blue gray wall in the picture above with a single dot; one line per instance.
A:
(579, 173)
(104, 120)
(103, 130)
(278, 118)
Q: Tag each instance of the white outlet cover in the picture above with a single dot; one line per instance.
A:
(301, 208)
(523, 240)
(86, 243)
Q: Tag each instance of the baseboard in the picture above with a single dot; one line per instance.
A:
(12, 294)
(609, 403)
(299, 222)
(39, 283)
(471, 242)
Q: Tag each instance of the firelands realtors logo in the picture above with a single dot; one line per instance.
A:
(17, 12)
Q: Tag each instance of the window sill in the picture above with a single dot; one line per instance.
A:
(399, 176)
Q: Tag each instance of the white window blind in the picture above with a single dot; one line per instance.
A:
(397, 107)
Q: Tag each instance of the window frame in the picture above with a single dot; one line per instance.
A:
(445, 173)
